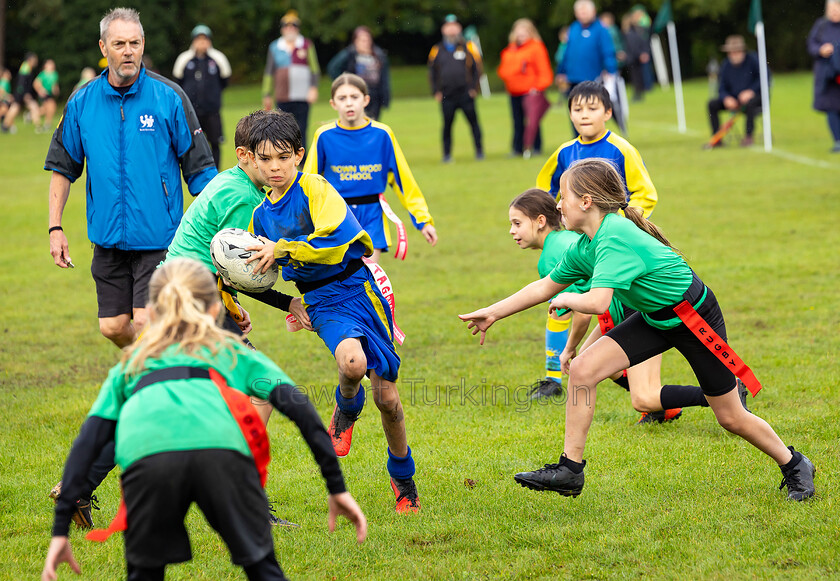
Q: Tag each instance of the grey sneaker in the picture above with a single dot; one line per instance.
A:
(555, 477)
(799, 479)
(545, 388)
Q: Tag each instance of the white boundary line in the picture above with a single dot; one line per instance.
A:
(794, 157)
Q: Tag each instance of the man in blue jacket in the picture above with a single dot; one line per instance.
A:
(138, 132)
(739, 87)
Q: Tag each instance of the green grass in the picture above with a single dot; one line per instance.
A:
(680, 501)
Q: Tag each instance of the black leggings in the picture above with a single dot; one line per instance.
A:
(640, 341)
(266, 570)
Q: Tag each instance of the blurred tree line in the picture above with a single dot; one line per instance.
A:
(67, 30)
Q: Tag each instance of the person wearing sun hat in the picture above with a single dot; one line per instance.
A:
(739, 86)
(290, 81)
(203, 72)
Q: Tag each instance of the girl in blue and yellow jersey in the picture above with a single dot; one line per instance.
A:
(314, 237)
(628, 257)
(590, 108)
(360, 157)
(535, 223)
(177, 408)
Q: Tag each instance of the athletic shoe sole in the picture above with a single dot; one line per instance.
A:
(525, 483)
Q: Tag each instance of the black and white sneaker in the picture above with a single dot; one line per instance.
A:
(799, 479)
(554, 477)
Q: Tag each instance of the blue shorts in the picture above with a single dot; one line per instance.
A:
(354, 308)
(372, 220)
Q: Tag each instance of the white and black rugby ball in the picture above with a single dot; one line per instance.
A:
(228, 251)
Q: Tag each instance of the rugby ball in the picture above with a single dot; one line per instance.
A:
(228, 252)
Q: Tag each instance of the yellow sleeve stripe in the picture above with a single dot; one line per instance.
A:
(548, 169)
(409, 194)
(642, 191)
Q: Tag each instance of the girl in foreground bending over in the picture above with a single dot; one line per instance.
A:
(182, 437)
(629, 257)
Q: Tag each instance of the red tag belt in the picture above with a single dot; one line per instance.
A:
(714, 343)
(402, 237)
(253, 429)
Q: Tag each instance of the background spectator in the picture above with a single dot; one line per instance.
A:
(203, 72)
(637, 51)
(24, 95)
(739, 86)
(455, 69)
(823, 44)
(291, 72)
(370, 62)
(526, 72)
(46, 86)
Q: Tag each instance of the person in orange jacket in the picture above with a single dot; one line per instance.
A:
(526, 71)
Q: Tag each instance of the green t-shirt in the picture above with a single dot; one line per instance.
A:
(645, 274)
(48, 80)
(226, 202)
(5, 87)
(186, 414)
(556, 244)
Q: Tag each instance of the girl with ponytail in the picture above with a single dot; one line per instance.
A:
(630, 258)
(188, 433)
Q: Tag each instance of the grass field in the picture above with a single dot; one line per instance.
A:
(680, 501)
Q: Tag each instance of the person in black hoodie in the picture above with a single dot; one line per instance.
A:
(454, 71)
(203, 72)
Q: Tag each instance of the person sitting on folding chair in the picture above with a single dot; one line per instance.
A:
(739, 87)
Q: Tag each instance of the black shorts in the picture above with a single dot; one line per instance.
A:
(640, 342)
(122, 278)
(225, 485)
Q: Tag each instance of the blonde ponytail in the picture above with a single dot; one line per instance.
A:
(181, 293)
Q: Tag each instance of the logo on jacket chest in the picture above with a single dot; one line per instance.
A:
(147, 123)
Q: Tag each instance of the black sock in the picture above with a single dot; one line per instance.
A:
(622, 381)
(576, 467)
(681, 396)
(793, 461)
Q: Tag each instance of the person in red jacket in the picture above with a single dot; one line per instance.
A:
(526, 71)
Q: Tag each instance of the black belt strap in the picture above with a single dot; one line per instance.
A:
(692, 295)
(352, 266)
(170, 374)
(358, 200)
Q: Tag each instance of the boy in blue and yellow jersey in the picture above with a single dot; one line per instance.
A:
(311, 233)
(590, 108)
(360, 157)
(228, 202)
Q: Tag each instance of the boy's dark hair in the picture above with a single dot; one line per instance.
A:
(535, 203)
(590, 91)
(279, 129)
(242, 135)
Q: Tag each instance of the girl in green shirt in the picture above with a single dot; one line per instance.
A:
(181, 437)
(535, 223)
(630, 258)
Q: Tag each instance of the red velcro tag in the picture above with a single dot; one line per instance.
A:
(249, 422)
(714, 343)
(605, 322)
(402, 237)
(118, 524)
